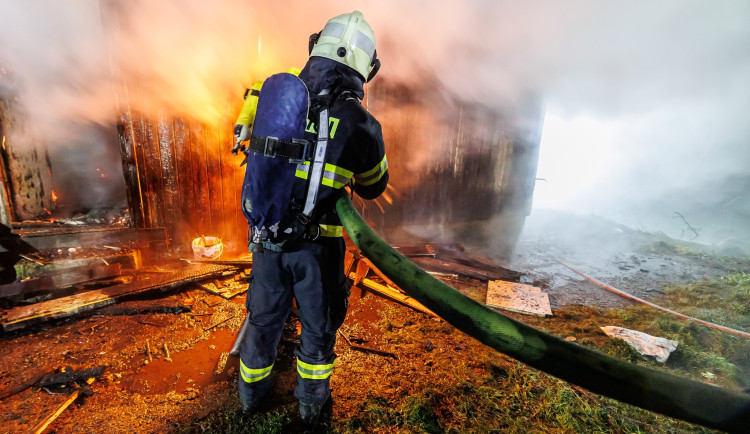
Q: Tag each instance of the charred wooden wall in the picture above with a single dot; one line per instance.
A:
(181, 175)
(449, 161)
(456, 162)
(26, 174)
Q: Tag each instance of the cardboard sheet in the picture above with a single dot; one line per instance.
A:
(518, 297)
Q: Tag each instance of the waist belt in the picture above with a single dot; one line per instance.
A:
(296, 150)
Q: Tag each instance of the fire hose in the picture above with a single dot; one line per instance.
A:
(627, 382)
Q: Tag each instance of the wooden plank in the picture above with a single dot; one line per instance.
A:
(202, 188)
(155, 176)
(454, 253)
(88, 238)
(230, 198)
(185, 180)
(392, 294)
(225, 289)
(41, 426)
(146, 188)
(233, 262)
(216, 195)
(26, 171)
(129, 160)
(24, 316)
(113, 18)
(169, 195)
(30, 179)
(60, 280)
(5, 214)
(518, 297)
(434, 264)
(38, 268)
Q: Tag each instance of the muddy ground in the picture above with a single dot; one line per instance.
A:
(142, 391)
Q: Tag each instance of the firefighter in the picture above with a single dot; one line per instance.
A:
(310, 267)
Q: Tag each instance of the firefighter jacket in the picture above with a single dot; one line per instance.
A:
(355, 153)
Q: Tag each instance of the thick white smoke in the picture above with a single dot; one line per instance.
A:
(660, 86)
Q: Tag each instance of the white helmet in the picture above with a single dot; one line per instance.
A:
(348, 39)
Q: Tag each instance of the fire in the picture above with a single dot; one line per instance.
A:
(54, 197)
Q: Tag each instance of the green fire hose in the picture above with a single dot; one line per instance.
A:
(647, 388)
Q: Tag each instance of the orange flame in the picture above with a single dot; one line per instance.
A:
(54, 196)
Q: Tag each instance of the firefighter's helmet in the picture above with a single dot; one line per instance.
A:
(348, 39)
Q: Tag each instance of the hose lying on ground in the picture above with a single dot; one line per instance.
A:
(656, 306)
(644, 387)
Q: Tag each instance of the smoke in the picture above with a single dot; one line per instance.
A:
(662, 86)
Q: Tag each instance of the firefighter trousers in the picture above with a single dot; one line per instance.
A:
(314, 275)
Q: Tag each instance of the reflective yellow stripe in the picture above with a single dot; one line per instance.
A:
(333, 176)
(253, 375)
(339, 170)
(373, 175)
(336, 177)
(313, 367)
(331, 231)
(314, 372)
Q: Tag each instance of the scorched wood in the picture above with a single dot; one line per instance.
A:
(24, 316)
(88, 238)
(60, 280)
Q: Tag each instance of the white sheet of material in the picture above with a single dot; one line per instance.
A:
(648, 345)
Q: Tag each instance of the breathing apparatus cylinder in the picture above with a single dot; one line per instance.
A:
(243, 126)
(247, 114)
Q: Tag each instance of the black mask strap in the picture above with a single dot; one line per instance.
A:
(375, 66)
(313, 40)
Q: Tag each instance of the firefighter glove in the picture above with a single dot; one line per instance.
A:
(241, 132)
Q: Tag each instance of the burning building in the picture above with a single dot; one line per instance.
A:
(460, 164)
(161, 177)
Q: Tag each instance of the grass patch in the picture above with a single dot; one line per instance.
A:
(457, 385)
(703, 353)
(525, 401)
(239, 422)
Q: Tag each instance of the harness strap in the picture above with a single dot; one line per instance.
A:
(316, 169)
(297, 150)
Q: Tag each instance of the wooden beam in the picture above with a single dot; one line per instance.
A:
(60, 279)
(41, 426)
(88, 238)
(393, 294)
(24, 316)
(474, 272)
(5, 214)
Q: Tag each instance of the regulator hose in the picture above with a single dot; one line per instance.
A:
(644, 387)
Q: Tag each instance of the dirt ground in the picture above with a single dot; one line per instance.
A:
(141, 391)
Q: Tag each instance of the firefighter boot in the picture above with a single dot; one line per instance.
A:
(310, 413)
(253, 395)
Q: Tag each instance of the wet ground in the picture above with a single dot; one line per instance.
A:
(142, 391)
(631, 261)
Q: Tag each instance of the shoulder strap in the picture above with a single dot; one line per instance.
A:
(317, 165)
